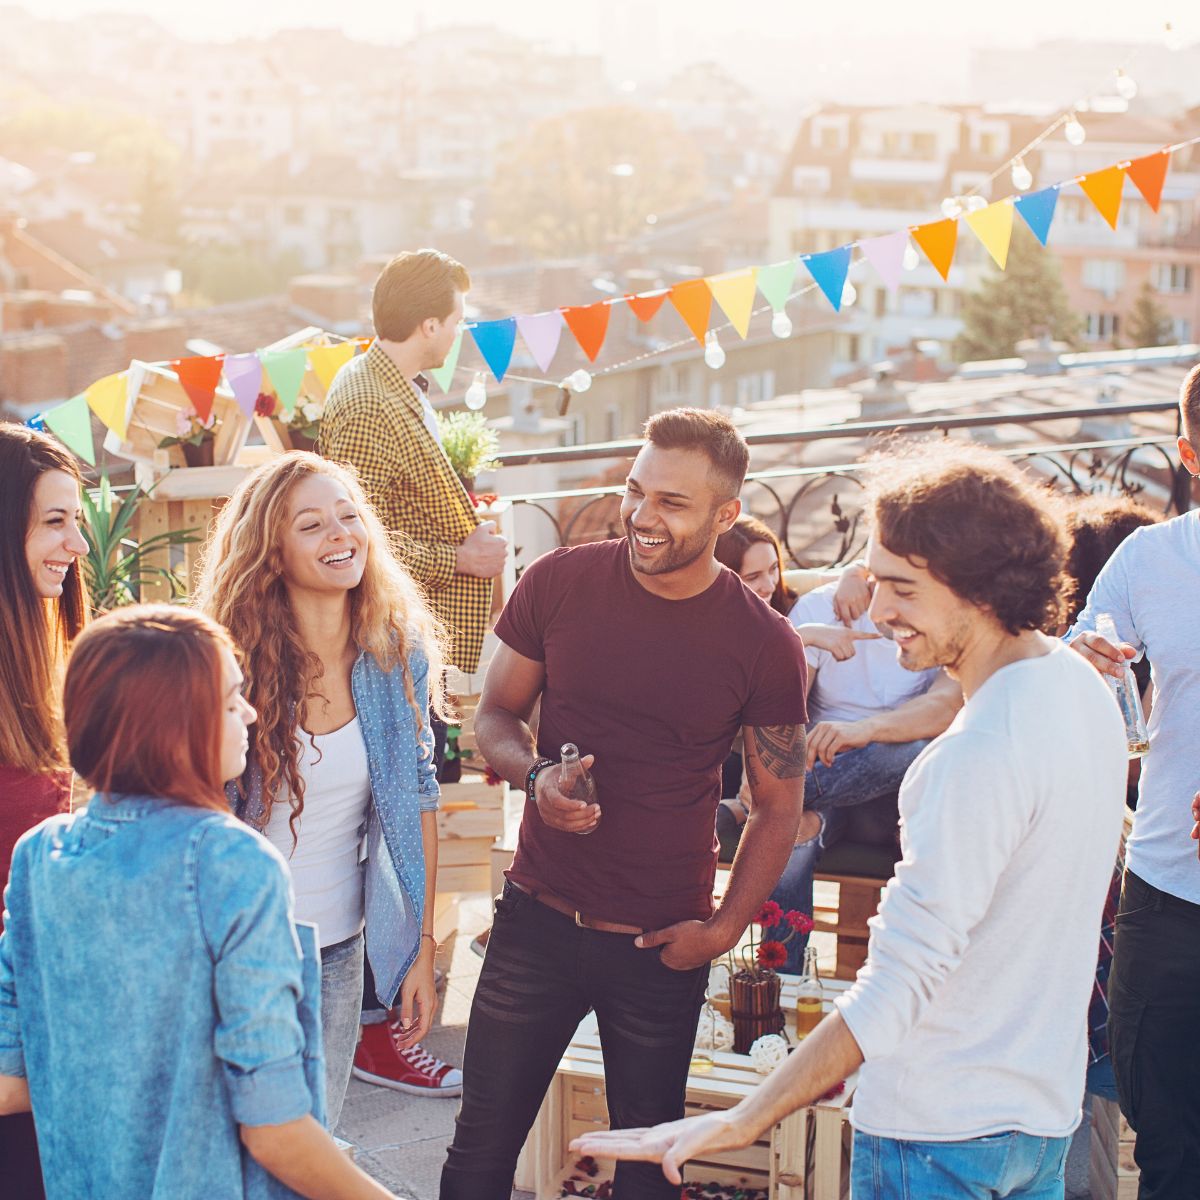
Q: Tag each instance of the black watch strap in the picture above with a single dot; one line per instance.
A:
(539, 765)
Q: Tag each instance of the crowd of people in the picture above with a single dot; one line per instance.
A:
(217, 819)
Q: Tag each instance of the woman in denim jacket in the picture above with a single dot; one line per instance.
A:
(169, 925)
(342, 656)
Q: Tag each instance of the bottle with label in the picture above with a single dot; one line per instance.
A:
(1126, 691)
(810, 996)
(575, 780)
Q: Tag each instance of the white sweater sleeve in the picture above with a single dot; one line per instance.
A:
(964, 814)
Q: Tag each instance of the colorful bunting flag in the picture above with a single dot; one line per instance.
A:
(775, 282)
(589, 324)
(644, 307)
(886, 255)
(243, 373)
(1149, 174)
(445, 373)
(327, 361)
(540, 333)
(108, 398)
(72, 424)
(734, 292)
(1104, 190)
(495, 340)
(285, 369)
(829, 273)
(993, 227)
(693, 302)
(199, 378)
(1037, 211)
(938, 239)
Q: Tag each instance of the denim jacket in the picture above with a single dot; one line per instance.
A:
(403, 785)
(152, 992)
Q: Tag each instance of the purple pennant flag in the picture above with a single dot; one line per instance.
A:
(243, 373)
(541, 332)
(886, 255)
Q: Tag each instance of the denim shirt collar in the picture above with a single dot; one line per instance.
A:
(126, 806)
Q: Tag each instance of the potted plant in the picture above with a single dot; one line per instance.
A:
(299, 428)
(470, 445)
(194, 436)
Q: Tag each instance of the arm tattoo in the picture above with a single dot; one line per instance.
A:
(780, 750)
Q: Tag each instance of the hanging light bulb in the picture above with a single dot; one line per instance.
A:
(579, 381)
(1074, 131)
(781, 324)
(1022, 176)
(714, 355)
(476, 396)
(849, 294)
(976, 203)
(1126, 87)
(912, 260)
(952, 207)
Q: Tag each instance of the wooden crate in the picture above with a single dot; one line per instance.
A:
(805, 1157)
(1112, 1173)
(470, 820)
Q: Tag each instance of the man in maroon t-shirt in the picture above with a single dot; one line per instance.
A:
(650, 656)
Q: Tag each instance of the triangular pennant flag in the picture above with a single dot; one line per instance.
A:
(243, 373)
(363, 343)
(285, 369)
(938, 239)
(734, 292)
(495, 340)
(644, 307)
(445, 373)
(199, 378)
(829, 272)
(589, 324)
(72, 423)
(1149, 174)
(1104, 189)
(108, 398)
(993, 227)
(775, 282)
(541, 332)
(886, 255)
(327, 361)
(693, 302)
(1037, 211)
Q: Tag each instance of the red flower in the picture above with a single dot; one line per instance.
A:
(264, 405)
(491, 778)
(772, 954)
(836, 1090)
(770, 914)
(801, 922)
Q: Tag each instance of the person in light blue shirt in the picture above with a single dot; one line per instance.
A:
(154, 1009)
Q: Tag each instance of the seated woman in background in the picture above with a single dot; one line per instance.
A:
(166, 924)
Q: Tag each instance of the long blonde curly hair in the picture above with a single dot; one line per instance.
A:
(242, 586)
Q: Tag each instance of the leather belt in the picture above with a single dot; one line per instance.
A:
(550, 900)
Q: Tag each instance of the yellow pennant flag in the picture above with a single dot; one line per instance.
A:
(734, 292)
(1103, 189)
(326, 361)
(993, 227)
(108, 398)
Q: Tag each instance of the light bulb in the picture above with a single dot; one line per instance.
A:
(952, 207)
(849, 294)
(912, 260)
(579, 381)
(976, 203)
(781, 324)
(1074, 131)
(476, 396)
(714, 355)
(1022, 176)
(1126, 87)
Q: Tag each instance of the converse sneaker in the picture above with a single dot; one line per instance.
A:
(379, 1059)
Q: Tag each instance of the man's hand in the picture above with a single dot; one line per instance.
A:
(559, 811)
(827, 738)
(852, 596)
(686, 944)
(1196, 819)
(482, 552)
(1103, 655)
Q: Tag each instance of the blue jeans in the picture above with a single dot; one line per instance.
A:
(341, 1003)
(1005, 1166)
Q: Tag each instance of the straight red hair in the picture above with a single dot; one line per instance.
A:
(143, 704)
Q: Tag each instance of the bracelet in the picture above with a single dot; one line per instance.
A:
(430, 936)
(539, 765)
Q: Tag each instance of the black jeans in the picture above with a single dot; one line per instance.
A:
(1154, 1031)
(541, 975)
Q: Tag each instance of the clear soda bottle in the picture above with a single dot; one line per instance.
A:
(1126, 691)
(575, 780)
(810, 996)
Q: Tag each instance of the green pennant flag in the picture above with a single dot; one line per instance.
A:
(285, 369)
(445, 373)
(72, 423)
(775, 282)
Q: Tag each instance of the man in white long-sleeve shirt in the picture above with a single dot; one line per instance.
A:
(969, 1017)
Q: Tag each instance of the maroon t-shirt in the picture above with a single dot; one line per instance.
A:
(25, 801)
(656, 689)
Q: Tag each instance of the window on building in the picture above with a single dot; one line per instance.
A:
(1182, 328)
(1105, 275)
(989, 145)
(612, 423)
(924, 145)
(881, 302)
(1172, 277)
(293, 214)
(829, 137)
(1102, 326)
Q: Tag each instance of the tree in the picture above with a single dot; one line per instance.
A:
(1025, 301)
(1149, 323)
(574, 183)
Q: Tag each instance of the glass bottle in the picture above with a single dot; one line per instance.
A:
(1126, 691)
(575, 780)
(810, 996)
(703, 1057)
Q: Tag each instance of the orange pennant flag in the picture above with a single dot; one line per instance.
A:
(1149, 174)
(199, 378)
(644, 307)
(1103, 189)
(693, 301)
(938, 239)
(589, 324)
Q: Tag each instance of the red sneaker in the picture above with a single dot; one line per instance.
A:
(379, 1059)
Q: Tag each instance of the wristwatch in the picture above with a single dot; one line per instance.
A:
(539, 765)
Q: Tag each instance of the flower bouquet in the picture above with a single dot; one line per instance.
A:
(194, 436)
(298, 427)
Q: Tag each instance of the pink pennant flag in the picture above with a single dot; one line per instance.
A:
(886, 255)
(243, 373)
(541, 332)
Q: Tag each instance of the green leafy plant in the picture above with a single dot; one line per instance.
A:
(117, 566)
(469, 443)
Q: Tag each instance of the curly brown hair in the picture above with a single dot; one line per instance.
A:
(1096, 526)
(976, 523)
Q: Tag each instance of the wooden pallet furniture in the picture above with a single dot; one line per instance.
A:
(860, 871)
(1112, 1172)
(470, 819)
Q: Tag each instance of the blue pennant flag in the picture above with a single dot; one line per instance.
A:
(829, 272)
(1037, 211)
(495, 341)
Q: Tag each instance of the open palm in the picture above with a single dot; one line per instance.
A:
(671, 1144)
